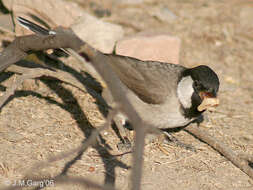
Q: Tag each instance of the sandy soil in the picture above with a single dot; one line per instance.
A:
(46, 117)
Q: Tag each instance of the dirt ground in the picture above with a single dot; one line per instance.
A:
(46, 117)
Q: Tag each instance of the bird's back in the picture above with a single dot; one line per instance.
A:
(153, 82)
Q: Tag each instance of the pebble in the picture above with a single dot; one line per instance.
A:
(163, 14)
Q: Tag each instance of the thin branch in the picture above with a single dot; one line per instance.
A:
(36, 73)
(120, 97)
(90, 141)
(237, 160)
(39, 72)
(18, 49)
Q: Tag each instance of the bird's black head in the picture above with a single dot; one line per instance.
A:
(205, 84)
(205, 80)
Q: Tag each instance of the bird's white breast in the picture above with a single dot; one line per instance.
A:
(185, 91)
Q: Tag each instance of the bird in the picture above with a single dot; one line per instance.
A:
(165, 95)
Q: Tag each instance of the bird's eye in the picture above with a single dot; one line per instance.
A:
(197, 85)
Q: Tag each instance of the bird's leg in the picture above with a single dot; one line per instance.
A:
(125, 143)
(167, 137)
(119, 121)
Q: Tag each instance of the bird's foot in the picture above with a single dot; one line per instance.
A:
(169, 138)
(124, 145)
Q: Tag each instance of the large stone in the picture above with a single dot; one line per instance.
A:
(155, 47)
(100, 35)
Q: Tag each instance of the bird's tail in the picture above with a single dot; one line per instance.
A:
(34, 27)
(37, 29)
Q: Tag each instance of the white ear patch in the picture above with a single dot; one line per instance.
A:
(185, 91)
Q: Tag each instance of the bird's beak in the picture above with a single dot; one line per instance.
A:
(209, 102)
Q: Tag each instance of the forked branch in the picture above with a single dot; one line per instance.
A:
(19, 48)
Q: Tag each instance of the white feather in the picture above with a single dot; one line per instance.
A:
(185, 91)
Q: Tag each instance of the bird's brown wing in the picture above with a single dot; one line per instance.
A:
(150, 81)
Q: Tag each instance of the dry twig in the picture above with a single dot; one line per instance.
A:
(36, 73)
(18, 50)
(237, 160)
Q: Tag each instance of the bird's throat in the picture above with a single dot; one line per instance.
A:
(185, 91)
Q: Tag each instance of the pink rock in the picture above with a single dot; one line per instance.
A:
(155, 47)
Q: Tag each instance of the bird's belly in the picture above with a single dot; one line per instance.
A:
(174, 120)
(166, 118)
(166, 115)
(162, 120)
